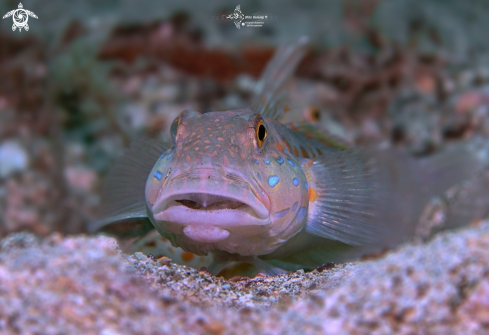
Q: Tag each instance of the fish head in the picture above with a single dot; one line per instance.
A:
(225, 186)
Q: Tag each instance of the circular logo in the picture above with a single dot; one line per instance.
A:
(20, 17)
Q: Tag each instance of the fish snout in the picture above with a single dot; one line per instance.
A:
(207, 208)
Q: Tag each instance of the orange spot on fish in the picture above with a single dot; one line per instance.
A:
(292, 126)
(207, 141)
(214, 153)
(225, 160)
(296, 152)
(280, 146)
(187, 256)
(313, 195)
(171, 250)
(309, 162)
(187, 159)
(304, 153)
(231, 152)
(207, 147)
(220, 139)
(286, 108)
(196, 148)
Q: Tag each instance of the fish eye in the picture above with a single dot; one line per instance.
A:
(174, 127)
(261, 133)
(314, 114)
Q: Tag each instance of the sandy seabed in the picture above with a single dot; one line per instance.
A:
(86, 285)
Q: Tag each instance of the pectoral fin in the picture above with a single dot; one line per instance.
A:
(123, 208)
(375, 197)
(125, 225)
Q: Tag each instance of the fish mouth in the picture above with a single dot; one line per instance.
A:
(211, 215)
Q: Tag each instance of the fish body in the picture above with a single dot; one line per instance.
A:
(243, 187)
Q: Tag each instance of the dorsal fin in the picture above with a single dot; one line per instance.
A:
(269, 94)
(313, 132)
(123, 199)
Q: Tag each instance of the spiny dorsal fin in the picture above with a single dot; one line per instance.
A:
(269, 96)
(123, 198)
(311, 131)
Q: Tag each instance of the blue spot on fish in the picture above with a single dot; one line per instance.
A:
(163, 155)
(273, 180)
(256, 162)
(301, 214)
(157, 175)
(294, 207)
(259, 175)
(168, 157)
(291, 163)
(280, 160)
(306, 185)
(282, 213)
(296, 182)
(266, 161)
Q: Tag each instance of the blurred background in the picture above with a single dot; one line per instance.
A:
(91, 76)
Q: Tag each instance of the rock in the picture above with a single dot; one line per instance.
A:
(13, 158)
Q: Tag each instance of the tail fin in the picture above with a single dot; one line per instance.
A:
(471, 202)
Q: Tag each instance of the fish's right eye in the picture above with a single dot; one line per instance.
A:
(174, 127)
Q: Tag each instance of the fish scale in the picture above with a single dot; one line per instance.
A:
(243, 188)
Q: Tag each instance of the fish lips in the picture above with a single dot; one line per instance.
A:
(209, 211)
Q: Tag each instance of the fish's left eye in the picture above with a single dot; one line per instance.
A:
(261, 133)
(174, 127)
(313, 114)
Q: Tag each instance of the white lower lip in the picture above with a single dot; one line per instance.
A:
(205, 234)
